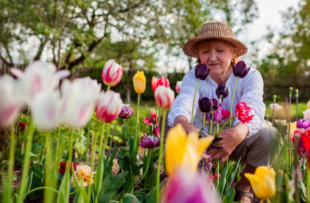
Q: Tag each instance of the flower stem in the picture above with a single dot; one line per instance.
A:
(274, 102)
(101, 140)
(296, 164)
(308, 182)
(7, 196)
(68, 168)
(25, 170)
(211, 123)
(289, 128)
(147, 167)
(194, 102)
(136, 140)
(112, 137)
(92, 162)
(108, 88)
(204, 121)
(232, 99)
(48, 194)
(160, 153)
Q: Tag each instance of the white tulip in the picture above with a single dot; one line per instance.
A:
(45, 110)
(112, 73)
(275, 107)
(306, 113)
(280, 122)
(164, 97)
(11, 102)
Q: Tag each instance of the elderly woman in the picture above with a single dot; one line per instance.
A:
(217, 47)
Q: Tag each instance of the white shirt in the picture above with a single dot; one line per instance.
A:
(249, 89)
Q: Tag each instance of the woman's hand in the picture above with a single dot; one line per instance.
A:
(187, 126)
(231, 139)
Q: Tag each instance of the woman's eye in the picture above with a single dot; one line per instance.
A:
(220, 50)
(206, 52)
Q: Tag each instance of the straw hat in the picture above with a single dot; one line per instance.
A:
(214, 30)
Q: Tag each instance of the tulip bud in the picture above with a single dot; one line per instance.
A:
(240, 69)
(275, 107)
(178, 87)
(222, 90)
(216, 104)
(205, 105)
(112, 73)
(164, 97)
(153, 83)
(163, 82)
(139, 82)
(126, 112)
(280, 122)
(201, 71)
(108, 107)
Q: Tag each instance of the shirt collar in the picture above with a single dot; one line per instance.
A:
(214, 84)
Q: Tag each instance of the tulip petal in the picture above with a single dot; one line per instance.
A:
(175, 148)
(17, 72)
(269, 183)
(204, 143)
(256, 184)
(191, 157)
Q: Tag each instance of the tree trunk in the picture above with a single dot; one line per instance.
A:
(128, 96)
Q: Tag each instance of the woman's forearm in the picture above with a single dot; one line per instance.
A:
(184, 122)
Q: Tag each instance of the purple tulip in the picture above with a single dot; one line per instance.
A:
(218, 115)
(303, 123)
(126, 112)
(216, 104)
(222, 90)
(205, 104)
(201, 71)
(156, 131)
(206, 161)
(149, 141)
(240, 70)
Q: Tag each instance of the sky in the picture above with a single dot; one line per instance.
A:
(269, 15)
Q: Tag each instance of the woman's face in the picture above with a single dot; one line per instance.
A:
(217, 55)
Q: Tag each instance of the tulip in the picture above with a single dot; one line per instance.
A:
(225, 114)
(280, 122)
(11, 102)
(78, 101)
(306, 113)
(156, 131)
(109, 106)
(126, 112)
(38, 77)
(308, 104)
(240, 69)
(303, 123)
(222, 90)
(139, 82)
(84, 171)
(164, 97)
(45, 110)
(112, 73)
(153, 83)
(216, 104)
(303, 137)
(201, 71)
(263, 182)
(205, 104)
(244, 112)
(63, 166)
(184, 151)
(178, 87)
(205, 162)
(275, 107)
(163, 82)
(21, 126)
(149, 141)
(152, 120)
(218, 115)
(189, 188)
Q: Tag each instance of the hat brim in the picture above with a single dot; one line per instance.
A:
(190, 49)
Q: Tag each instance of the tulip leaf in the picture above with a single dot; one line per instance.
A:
(35, 147)
(223, 181)
(230, 197)
(151, 197)
(129, 198)
(99, 172)
(232, 176)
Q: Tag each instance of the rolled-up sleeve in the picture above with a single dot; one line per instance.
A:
(252, 93)
(184, 101)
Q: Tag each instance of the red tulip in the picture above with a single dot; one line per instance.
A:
(154, 83)
(244, 112)
(303, 141)
(178, 87)
(152, 120)
(63, 166)
(156, 131)
(112, 73)
(109, 106)
(164, 97)
(163, 82)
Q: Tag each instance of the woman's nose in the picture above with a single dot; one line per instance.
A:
(213, 56)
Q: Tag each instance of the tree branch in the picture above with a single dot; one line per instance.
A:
(41, 47)
(133, 7)
(8, 53)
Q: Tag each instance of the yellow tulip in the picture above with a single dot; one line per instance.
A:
(139, 82)
(184, 151)
(263, 182)
(293, 128)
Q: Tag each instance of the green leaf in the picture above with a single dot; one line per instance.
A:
(129, 198)
(35, 147)
(232, 176)
(99, 173)
(230, 197)
(223, 180)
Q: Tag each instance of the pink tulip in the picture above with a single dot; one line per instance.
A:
(154, 83)
(164, 97)
(152, 120)
(156, 131)
(126, 112)
(178, 87)
(163, 82)
(38, 77)
(275, 107)
(11, 102)
(78, 101)
(109, 106)
(112, 73)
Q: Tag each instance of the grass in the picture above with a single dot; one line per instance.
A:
(283, 113)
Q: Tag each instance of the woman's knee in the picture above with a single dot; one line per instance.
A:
(269, 137)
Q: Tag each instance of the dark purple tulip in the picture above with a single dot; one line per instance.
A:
(222, 90)
(201, 71)
(240, 70)
(216, 104)
(126, 112)
(149, 141)
(303, 123)
(205, 105)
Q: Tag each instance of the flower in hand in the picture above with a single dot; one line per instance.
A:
(205, 104)
(240, 70)
(244, 112)
(222, 90)
(201, 71)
